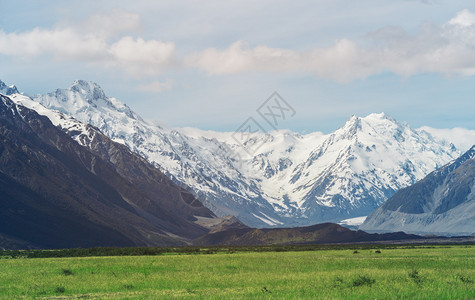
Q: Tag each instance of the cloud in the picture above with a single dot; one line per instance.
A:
(139, 57)
(90, 41)
(446, 49)
(464, 18)
(60, 43)
(239, 57)
(343, 61)
(157, 86)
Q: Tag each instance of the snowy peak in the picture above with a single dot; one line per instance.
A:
(381, 116)
(380, 133)
(87, 102)
(8, 90)
(351, 127)
(371, 118)
(372, 125)
(381, 124)
(91, 91)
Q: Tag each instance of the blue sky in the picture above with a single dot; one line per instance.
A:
(210, 65)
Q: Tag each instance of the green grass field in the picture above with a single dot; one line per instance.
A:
(438, 272)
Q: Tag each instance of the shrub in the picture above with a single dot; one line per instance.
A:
(59, 289)
(338, 282)
(465, 279)
(363, 280)
(414, 275)
(265, 290)
(67, 272)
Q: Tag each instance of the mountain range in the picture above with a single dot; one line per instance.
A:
(56, 193)
(442, 203)
(291, 180)
(65, 182)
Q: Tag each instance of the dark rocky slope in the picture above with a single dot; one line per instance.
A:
(56, 193)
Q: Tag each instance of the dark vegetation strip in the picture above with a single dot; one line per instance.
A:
(139, 251)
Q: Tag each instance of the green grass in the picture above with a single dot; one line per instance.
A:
(140, 251)
(439, 272)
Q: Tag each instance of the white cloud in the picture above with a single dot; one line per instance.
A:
(464, 18)
(446, 49)
(239, 57)
(157, 86)
(88, 42)
(60, 43)
(343, 61)
(140, 57)
(85, 41)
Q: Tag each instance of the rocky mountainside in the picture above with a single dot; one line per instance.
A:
(291, 180)
(55, 193)
(441, 203)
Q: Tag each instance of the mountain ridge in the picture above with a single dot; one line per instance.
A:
(56, 193)
(292, 180)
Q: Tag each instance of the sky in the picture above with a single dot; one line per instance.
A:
(212, 64)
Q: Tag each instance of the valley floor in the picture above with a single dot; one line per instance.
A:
(424, 272)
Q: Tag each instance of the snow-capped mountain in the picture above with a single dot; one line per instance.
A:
(360, 165)
(290, 180)
(441, 203)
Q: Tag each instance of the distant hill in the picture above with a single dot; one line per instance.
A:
(321, 233)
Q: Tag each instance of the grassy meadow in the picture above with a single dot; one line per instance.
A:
(435, 272)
